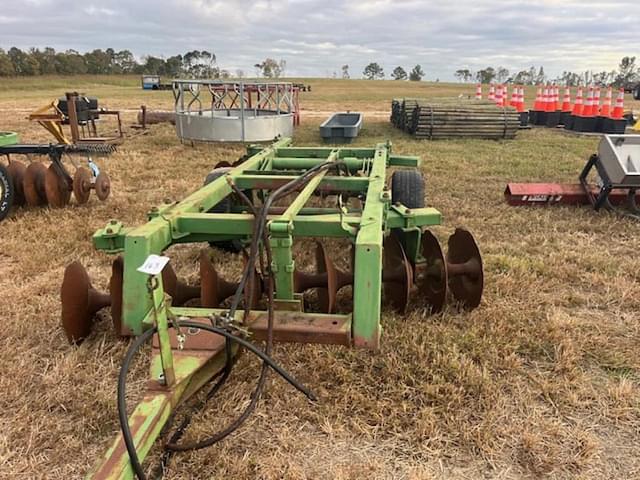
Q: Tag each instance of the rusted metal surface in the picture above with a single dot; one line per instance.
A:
(16, 172)
(33, 184)
(397, 274)
(82, 185)
(213, 288)
(102, 186)
(80, 302)
(56, 188)
(296, 327)
(518, 194)
(464, 266)
(431, 277)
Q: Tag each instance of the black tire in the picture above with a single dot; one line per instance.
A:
(407, 188)
(6, 192)
(235, 245)
(636, 93)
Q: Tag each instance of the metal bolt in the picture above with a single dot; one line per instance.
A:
(161, 379)
(109, 230)
(113, 222)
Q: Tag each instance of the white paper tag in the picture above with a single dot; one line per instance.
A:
(153, 265)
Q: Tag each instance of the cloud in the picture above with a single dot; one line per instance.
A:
(316, 37)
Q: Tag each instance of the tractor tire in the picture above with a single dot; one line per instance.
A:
(6, 192)
(636, 92)
(235, 245)
(407, 188)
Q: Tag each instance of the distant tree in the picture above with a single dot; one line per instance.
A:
(173, 66)
(373, 71)
(200, 64)
(282, 64)
(416, 74)
(502, 74)
(269, 68)
(46, 60)
(399, 74)
(345, 72)
(6, 67)
(541, 77)
(23, 63)
(98, 62)
(486, 75)
(124, 62)
(627, 72)
(463, 75)
(152, 65)
(239, 73)
(70, 62)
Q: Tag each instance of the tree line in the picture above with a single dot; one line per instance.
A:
(194, 64)
(374, 71)
(627, 73)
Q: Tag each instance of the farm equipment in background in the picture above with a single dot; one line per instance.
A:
(610, 178)
(154, 82)
(263, 202)
(36, 184)
(80, 114)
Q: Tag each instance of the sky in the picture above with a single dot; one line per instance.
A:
(317, 37)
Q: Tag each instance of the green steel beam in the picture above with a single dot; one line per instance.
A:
(271, 182)
(367, 288)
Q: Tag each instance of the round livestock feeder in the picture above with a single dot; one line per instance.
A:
(223, 111)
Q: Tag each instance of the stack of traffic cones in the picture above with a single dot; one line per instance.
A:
(479, 91)
(616, 123)
(566, 107)
(586, 120)
(553, 111)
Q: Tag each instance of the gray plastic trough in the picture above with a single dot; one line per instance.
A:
(341, 127)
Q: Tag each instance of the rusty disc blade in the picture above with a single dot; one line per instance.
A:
(431, 277)
(82, 185)
(56, 188)
(326, 295)
(466, 278)
(33, 184)
(103, 186)
(116, 283)
(80, 301)
(397, 274)
(16, 173)
(209, 282)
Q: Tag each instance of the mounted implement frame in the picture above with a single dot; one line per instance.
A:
(191, 344)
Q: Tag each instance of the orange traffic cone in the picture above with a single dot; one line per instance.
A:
(520, 99)
(577, 107)
(587, 110)
(566, 101)
(596, 101)
(505, 95)
(479, 91)
(537, 104)
(605, 111)
(618, 110)
(498, 98)
(492, 93)
(514, 98)
(546, 99)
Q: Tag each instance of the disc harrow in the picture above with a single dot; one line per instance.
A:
(40, 184)
(276, 197)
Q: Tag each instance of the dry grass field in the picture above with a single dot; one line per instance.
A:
(541, 381)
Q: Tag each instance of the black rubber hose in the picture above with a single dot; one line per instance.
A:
(141, 340)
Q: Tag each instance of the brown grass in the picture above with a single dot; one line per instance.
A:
(540, 381)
